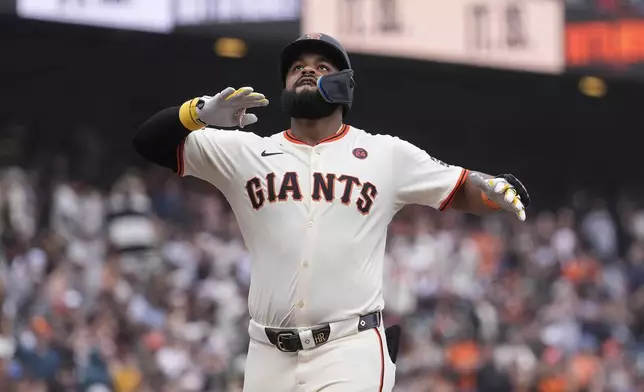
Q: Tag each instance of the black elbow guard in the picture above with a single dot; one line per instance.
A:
(160, 137)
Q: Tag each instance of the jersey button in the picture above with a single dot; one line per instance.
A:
(300, 304)
(310, 223)
(305, 264)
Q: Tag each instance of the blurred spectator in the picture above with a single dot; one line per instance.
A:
(143, 288)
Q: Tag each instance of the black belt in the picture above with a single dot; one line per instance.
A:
(288, 340)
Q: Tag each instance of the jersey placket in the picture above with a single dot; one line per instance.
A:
(309, 241)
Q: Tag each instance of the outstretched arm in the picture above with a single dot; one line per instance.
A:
(423, 179)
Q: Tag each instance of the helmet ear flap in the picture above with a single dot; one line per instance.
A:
(337, 87)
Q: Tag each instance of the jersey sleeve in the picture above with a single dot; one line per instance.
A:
(423, 179)
(211, 155)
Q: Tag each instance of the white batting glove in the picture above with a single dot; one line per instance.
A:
(228, 108)
(506, 191)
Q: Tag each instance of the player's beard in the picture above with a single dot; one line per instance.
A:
(307, 104)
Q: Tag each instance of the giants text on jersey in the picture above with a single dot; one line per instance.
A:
(324, 188)
(315, 218)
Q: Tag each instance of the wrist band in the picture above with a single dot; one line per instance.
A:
(188, 115)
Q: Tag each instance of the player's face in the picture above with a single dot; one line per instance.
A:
(303, 74)
(301, 97)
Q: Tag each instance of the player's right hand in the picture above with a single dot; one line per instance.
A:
(506, 191)
(228, 108)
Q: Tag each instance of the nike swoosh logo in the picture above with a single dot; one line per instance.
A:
(268, 154)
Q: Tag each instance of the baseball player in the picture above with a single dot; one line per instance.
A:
(313, 204)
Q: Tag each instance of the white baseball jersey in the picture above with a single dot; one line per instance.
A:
(314, 218)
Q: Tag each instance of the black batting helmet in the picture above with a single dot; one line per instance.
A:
(335, 88)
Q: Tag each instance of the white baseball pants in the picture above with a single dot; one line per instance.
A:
(355, 363)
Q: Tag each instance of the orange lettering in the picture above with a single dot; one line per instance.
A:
(612, 43)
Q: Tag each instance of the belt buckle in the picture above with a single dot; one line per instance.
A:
(280, 344)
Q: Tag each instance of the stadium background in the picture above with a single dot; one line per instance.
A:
(116, 273)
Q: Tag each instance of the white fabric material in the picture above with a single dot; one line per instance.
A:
(357, 363)
(315, 260)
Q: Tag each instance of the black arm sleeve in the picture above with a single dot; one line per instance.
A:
(159, 138)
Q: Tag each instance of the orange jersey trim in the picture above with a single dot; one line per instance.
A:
(180, 158)
(461, 180)
(344, 129)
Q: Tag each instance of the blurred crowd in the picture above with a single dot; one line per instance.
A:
(142, 287)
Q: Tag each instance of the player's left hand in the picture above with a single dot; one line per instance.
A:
(506, 191)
